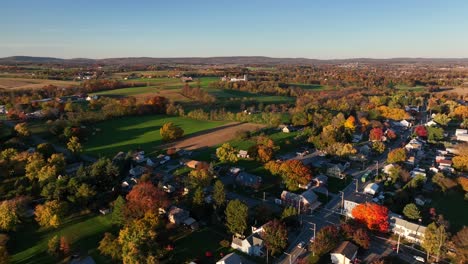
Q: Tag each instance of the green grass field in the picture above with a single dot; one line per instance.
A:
(29, 244)
(315, 87)
(417, 88)
(138, 132)
(451, 204)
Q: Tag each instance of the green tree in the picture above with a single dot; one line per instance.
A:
(442, 119)
(198, 197)
(275, 236)
(326, 239)
(74, 145)
(435, 133)
(35, 163)
(46, 149)
(236, 217)
(58, 161)
(219, 194)
(288, 212)
(169, 131)
(200, 178)
(118, 212)
(85, 193)
(226, 153)
(412, 211)
(378, 146)
(22, 130)
(434, 239)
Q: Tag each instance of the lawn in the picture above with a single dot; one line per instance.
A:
(335, 185)
(315, 87)
(417, 88)
(142, 132)
(29, 244)
(130, 91)
(196, 244)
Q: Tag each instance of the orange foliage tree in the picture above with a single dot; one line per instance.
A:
(374, 216)
(145, 197)
(293, 172)
(376, 134)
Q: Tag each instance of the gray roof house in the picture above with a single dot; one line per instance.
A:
(410, 231)
(345, 253)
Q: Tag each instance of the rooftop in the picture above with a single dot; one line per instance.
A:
(347, 249)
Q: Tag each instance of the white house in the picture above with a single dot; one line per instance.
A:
(345, 253)
(371, 188)
(431, 123)
(414, 144)
(252, 245)
(404, 123)
(243, 154)
(410, 231)
(388, 168)
(353, 200)
(308, 200)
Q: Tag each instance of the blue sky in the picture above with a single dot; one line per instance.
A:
(276, 28)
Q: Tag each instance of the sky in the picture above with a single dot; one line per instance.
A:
(321, 29)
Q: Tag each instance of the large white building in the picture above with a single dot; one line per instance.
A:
(410, 231)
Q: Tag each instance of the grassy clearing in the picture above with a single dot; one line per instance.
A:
(26, 83)
(138, 132)
(316, 87)
(417, 88)
(29, 244)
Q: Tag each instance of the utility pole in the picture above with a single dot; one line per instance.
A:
(377, 170)
(398, 245)
(357, 182)
(289, 256)
(263, 196)
(342, 201)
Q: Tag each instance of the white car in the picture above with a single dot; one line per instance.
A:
(301, 245)
(420, 259)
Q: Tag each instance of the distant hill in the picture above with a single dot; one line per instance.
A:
(240, 60)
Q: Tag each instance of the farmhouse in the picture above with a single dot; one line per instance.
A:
(307, 201)
(337, 170)
(243, 154)
(345, 253)
(248, 180)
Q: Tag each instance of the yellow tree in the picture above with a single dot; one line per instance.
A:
(50, 214)
(350, 123)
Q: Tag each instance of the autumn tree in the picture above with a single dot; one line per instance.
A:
(435, 133)
(361, 238)
(460, 161)
(434, 239)
(198, 197)
(376, 134)
(420, 131)
(378, 146)
(227, 153)
(396, 155)
(138, 239)
(53, 246)
(293, 172)
(46, 149)
(145, 197)
(219, 194)
(64, 246)
(109, 246)
(325, 240)
(374, 216)
(275, 236)
(460, 241)
(236, 217)
(463, 183)
(169, 131)
(200, 178)
(50, 214)
(4, 256)
(412, 211)
(9, 215)
(74, 145)
(22, 130)
(350, 124)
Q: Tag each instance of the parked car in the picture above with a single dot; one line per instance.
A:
(301, 245)
(420, 259)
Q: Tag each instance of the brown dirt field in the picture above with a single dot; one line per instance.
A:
(24, 83)
(213, 137)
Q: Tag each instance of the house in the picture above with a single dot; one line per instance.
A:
(462, 137)
(231, 258)
(461, 132)
(354, 199)
(414, 144)
(177, 215)
(431, 123)
(186, 79)
(410, 160)
(137, 171)
(139, 157)
(410, 231)
(308, 200)
(345, 253)
(252, 245)
(357, 138)
(243, 154)
(248, 180)
(388, 168)
(418, 171)
(92, 97)
(404, 123)
(321, 180)
(371, 188)
(287, 129)
(194, 164)
(337, 170)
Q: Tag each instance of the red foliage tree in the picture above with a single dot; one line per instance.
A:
(374, 216)
(376, 134)
(391, 134)
(421, 131)
(145, 197)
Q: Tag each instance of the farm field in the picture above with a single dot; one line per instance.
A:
(316, 87)
(417, 88)
(215, 137)
(26, 83)
(138, 132)
(29, 244)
